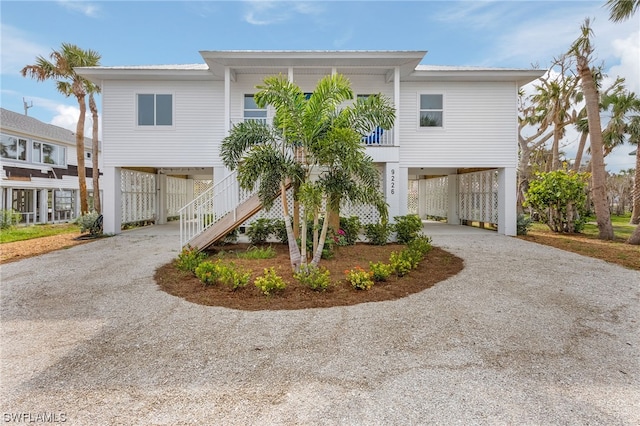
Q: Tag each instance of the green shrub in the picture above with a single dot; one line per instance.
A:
(208, 272)
(421, 244)
(559, 197)
(270, 281)
(280, 231)
(400, 262)
(380, 271)
(378, 233)
(359, 278)
(232, 276)
(87, 222)
(260, 230)
(523, 225)
(189, 259)
(352, 227)
(315, 278)
(407, 227)
(231, 237)
(339, 237)
(254, 252)
(9, 218)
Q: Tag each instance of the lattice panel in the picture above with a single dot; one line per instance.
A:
(138, 196)
(413, 197)
(478, 196)
(436, 198)
(200, 186)
(176, 195)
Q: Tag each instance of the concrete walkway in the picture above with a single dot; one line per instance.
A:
(525, 334)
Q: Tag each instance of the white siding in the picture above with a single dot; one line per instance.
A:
(480, 126)
(194, 139)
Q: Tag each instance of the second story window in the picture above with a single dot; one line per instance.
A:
(47, 153)
(13, 148)
(431, 110)
(251, 110)
(155, 110)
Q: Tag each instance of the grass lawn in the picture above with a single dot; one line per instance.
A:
(588, 244)
(21, 233)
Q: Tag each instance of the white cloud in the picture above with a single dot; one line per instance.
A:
(276, 12)
(628, 50)
(67, 117)
(86, 8)
(17, 51)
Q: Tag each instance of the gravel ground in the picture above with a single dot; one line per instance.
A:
(525, 334)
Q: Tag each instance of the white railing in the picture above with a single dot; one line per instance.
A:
(377, 137)
(209, 207)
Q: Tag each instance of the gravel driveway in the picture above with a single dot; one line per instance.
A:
(525, 334)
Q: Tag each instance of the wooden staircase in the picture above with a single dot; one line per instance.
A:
(216, 212)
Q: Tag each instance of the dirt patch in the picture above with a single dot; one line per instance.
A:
(437, 266)
(18, 250)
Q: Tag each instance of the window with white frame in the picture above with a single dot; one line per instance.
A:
(47, 153)
(13, 148)
(155, 109)
(252, 111)
(431, 110)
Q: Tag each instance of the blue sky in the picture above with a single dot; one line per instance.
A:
(484, 33)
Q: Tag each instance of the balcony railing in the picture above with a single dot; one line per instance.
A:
(378, 137)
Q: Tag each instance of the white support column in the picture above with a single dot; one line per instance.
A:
(34, 205)
(396, 102)
(112, 205)
(452, 209)
(403, 189)
(44, 205)
(227, 100)
(422, 198)
(290, 74)
(392, 188)
(507, 195)
(161, 194)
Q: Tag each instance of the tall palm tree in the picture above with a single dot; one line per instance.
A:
(582, 50)
(621, 10)
(316, 144)
(61, 69)
(553, 101)
(633, 130)
(95, 147)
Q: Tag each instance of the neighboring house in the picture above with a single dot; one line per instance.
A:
(39, 176)
(452, 152)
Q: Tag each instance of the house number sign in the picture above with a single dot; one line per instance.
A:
(393, 181)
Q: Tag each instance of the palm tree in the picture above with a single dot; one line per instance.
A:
(633, 130)
(582, 50)
(553, 101)
(621, 10)
(95, 147)
(61, 68)
(313, 143)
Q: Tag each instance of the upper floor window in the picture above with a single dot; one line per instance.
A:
(431, 110)
(13, 148)
(251, 110)
(47, 153)
(155, 110)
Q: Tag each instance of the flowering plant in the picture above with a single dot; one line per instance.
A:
(359, 278)
(340, 238)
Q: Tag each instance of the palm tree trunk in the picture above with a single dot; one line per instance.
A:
(580, 151)
(294, 252)
(82, 174)
(635, 214)
(323, 236)
(598, 173)
(634, 239)
(95, 147)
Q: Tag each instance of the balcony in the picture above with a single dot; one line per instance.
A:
(377, 138)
